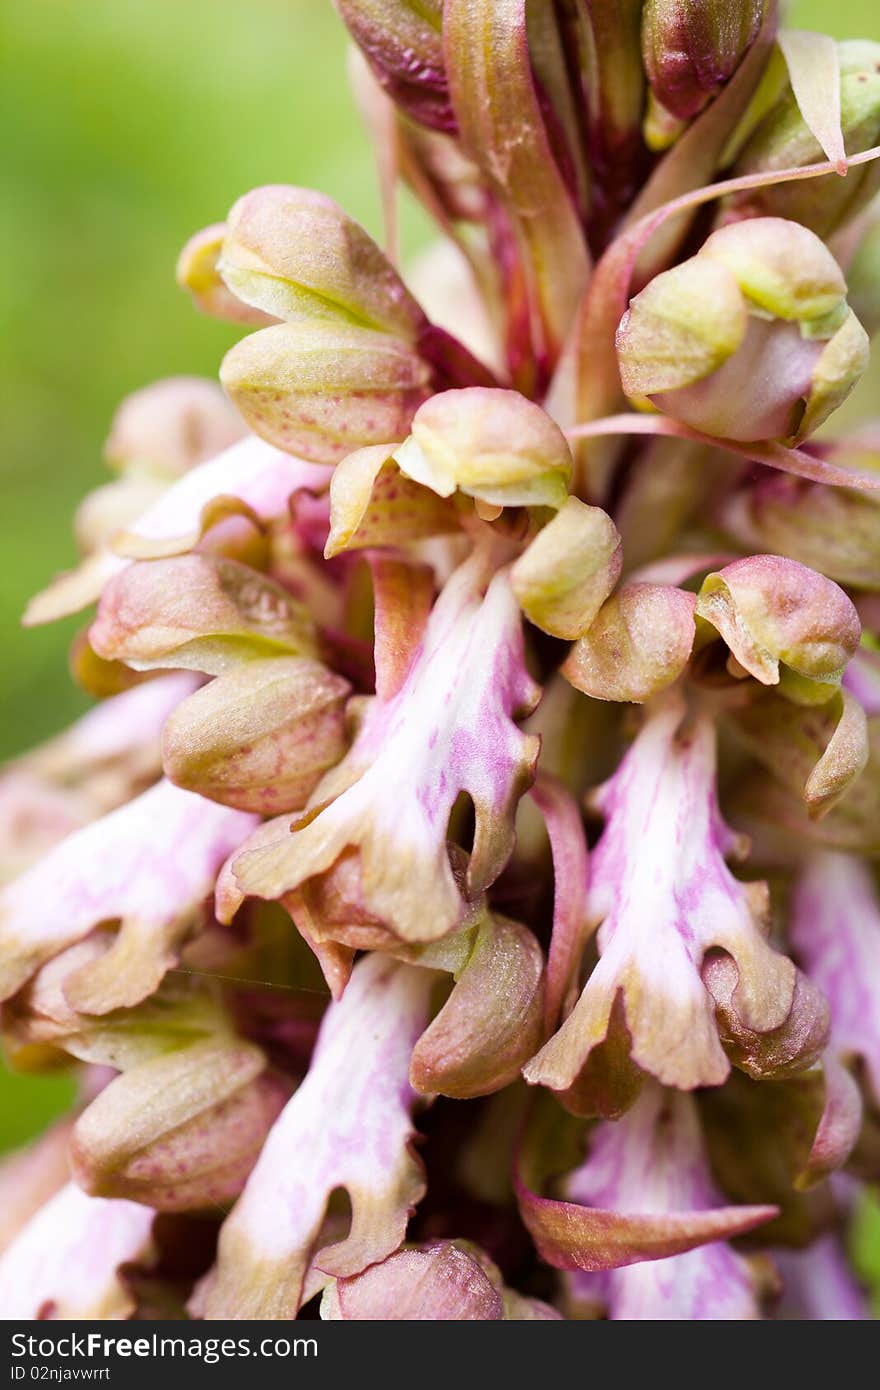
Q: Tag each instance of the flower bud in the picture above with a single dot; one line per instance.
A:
(786, 625)
(260, 736)
(296, 255)
(197, 612)
(171, 426)
(751, 339)
(440, 1281)
(491, 1023)
(491, 444)
(638, 644)
(322, 389)
(690, 49)
(402, 42)
(784, 141)
(180, 1131)
(437, 1282)
(569, 570)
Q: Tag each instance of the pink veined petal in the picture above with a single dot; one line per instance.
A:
(835, 929)
(818, 1284)
(348, 1126)
(66, 1261)
(862, 679)
(685, 973)
(149, 865)
(642, 1198)
(448, 728)
(257, 476)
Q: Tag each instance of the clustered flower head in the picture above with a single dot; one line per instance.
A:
(461, 903)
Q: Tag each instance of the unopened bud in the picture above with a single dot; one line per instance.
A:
(181, 1131)
(197, 612)
(296, 255)
(172, 425)
(372, 503)
(198, 274)
(491, 1023)
(491, 444)
(259, 737)
(639, 643)
(690, 49)
(832, 529)
(785, 624)
(751, 339)
(569, 570)
(321, 389)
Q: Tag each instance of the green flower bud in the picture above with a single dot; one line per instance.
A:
(295, 254)
(180, 1131)
(785, 624)
(569, 570)
(493, 445)
(784, 141)
(639, 643)
(321, 389)
(751, 339)
(832, 529)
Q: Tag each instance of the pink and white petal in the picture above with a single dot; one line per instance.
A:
(644, 1194)
(148, 865)
(818, 1284)
(253, 476)
(666, 900)
(348, 1126)
(835, 930)
(448, 729)
(67, 1261)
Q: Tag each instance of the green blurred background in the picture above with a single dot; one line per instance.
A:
(127, 125)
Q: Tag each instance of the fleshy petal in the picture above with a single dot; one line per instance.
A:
(667, 902)
(148, 866)
(645, 1194)
(347, 1126)
(66, 1262)
(448, 729)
